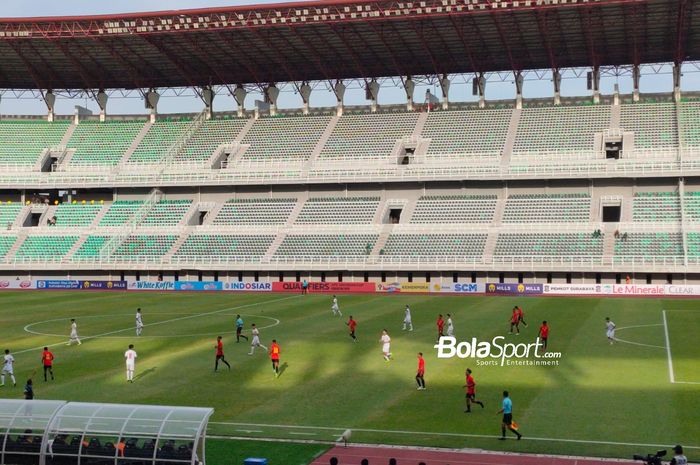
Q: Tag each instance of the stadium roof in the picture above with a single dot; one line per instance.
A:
(341, 39)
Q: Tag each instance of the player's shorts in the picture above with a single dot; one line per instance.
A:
(386, 348)
(9, 371)
(407, 321)
(450, 332)
(507, 418)
(130, 366)
(255, 341)
(238, 330)
(610, 333)
(544, 340)
(73, 335)
(219, 357)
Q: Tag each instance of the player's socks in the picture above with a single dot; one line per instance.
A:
(480, 403)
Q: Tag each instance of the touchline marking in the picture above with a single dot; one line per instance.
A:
(459, 435)
(163, 322)
(671, 376)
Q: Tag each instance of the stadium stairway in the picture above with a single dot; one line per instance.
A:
(68, 134)
(609, 241)
(191, 216)
(134, 145)
(386, 231)
(75, 247)
(510, 138)
(184, 234)
(21, 217)
(615, 116)
(322, 142)
(12, 252)
(99, 216)
(420, 124)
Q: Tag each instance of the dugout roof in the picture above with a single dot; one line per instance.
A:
(73, 432)
(341, 39)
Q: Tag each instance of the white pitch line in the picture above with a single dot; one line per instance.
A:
(459, 435)
(299, 433)
(617, 339)
(163, 322)
(671, 376)
(37, 333)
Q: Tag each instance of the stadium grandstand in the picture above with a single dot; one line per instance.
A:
(564, 189)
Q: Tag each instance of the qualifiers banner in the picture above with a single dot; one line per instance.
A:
(17, 284)
(104, 285)
(513, 288)
(327, 287)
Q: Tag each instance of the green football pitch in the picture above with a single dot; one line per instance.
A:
(601, 400)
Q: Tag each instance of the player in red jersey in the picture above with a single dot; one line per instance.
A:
(352, 324)
(47, 362)
(520, 315)
(220, 354)
(275, 357)
(420, 373)
(440, 326)
(544, 334)
(471, 391)
(514, 321)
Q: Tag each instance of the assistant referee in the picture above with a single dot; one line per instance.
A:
(507, 411)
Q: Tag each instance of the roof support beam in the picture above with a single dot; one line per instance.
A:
(279, 61)
(184, 70)
(33, 72)
(246, 62)
(506, 45)
(353, 54)
(465, 44)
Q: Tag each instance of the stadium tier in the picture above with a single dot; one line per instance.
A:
(105, 143)
(284, 139)
(368, 137)
(560, 129)
(159, 138)
(455, 209)
(22, 142)
(255, 211)
(338, 210)
(467, 133)
(547, 208)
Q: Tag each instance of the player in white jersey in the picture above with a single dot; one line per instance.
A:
(334, 307)
(130, 357)
(386, 345)
(8, 368)
(139, 322)
(256, 340)
(610, 330)
(450, 326)
(74, 338)
(407, 320)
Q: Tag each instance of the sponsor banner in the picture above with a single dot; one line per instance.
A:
(58, 284)
(457, 288)
(682, 289)
(404, 287)
(104, 285)
(468, 288)
(18, 284)
(564, 289)
(513, 288)
(327, 287)
(199, 286)
(151, 285)
(247, 287)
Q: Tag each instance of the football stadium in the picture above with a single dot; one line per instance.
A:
(434, 265)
